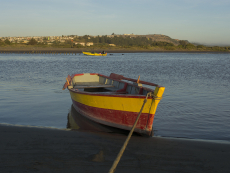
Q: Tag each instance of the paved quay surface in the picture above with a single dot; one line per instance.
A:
(32, 149)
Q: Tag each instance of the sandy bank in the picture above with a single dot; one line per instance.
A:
(26, 149)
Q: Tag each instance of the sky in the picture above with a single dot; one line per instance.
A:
(198, 21)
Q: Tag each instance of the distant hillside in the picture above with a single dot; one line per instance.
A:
(157, 37)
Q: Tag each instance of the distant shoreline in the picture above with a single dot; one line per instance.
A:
(109, 51)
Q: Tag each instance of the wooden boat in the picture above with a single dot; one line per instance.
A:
(94, 54)
(114, 100)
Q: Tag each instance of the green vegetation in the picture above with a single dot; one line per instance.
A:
(128, 42)
(32, 42)
(6, 42)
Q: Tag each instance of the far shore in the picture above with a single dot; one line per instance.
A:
(37, 50)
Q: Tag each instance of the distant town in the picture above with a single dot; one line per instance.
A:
(150, 42)
(44, 39)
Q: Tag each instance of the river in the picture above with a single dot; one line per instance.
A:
(195, 103)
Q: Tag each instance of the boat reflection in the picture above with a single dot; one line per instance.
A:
(76, 121)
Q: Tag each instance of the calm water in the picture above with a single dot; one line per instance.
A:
(196, 102)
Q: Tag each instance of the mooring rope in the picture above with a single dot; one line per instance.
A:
(116, 161)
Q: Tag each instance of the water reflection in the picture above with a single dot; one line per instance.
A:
(76, 121)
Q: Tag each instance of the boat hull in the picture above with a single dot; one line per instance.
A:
(118, 111)
(94, 54)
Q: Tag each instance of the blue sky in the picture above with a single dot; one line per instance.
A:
(202, 21)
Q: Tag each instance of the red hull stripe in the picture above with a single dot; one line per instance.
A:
(116, 117)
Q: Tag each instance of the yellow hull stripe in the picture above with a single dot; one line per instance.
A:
(116, 103)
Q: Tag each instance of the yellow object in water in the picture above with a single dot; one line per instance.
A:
(94, 54)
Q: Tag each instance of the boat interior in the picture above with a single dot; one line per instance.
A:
(89, 82)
